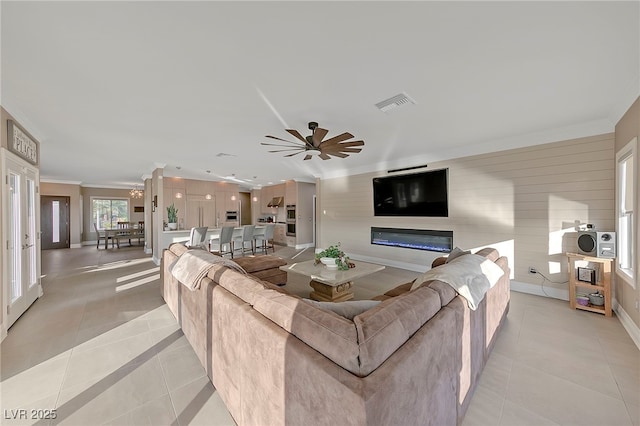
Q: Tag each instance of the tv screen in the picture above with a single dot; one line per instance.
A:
(417, 194)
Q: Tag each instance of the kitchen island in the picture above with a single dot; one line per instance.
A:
(182, 235)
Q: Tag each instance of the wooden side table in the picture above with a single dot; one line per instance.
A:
(602, 282)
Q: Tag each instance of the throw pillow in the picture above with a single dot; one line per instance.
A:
(347, 309)
(457, 252)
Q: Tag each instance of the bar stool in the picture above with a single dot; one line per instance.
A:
(265, 240)
(246, 237)
(224, 240)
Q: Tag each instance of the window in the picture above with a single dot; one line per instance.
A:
(106, 213)
(625, 209)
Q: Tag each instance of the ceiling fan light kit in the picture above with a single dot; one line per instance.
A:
(336, 146)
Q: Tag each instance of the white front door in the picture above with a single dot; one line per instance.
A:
(21, 231)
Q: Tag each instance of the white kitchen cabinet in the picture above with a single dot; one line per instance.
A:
(291, 193)
(200, 211)
(279, 234)
(266, 195)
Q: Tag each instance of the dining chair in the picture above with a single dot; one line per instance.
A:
(197, 237)
(246, 237)
(124, 235)
(102, 236)
(224, 240)
(265, 240)
(140, 231)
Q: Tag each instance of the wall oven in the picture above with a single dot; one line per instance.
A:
(291, 212)
(291, 220)
(231, 216)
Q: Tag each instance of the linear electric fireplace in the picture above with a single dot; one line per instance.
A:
(419, 239)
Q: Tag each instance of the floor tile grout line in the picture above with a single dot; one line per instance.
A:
(624, 401)
(166, 384)
(66, 370)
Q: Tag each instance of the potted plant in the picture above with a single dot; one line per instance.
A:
(334, 252)
(172, 213)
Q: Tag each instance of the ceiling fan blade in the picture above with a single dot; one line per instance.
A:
(291, 149)
(351, 143)
(324, 156)
(283, 140)
(297, 135)
(336, 139)
(338, 154)
(308, 157)
(295, 153)
(318, 135)
(286, 146)
(350, 150)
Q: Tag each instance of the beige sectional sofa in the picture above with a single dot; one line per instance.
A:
(414, 359)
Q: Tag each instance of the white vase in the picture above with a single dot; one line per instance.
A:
(173, 226)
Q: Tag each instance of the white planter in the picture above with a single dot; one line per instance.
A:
(172, 226)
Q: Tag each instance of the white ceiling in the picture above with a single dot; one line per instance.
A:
(114, 89)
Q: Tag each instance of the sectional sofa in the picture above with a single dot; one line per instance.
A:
(275, 359)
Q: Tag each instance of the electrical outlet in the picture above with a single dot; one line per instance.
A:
(532, 270)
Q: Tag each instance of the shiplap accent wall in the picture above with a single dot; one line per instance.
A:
(526, 202)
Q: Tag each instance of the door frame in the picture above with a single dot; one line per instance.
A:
(6, 156)
(67, 232)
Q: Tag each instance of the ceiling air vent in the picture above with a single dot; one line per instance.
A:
(394, 102)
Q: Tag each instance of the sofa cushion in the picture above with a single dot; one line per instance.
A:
(383, 329)
(401, 289)
(490, 253)
(471, 276)
(348, 309)
(456, 252)
(445, 291)
(178, 248)
(253, 264)
(333, 336)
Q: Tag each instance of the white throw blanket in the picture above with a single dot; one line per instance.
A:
(193, 265)
(470, 275)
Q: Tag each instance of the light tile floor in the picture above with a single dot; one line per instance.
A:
(100, 347)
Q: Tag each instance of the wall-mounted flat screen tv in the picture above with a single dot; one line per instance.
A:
(416, 194)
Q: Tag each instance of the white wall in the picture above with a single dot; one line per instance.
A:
(523, 201)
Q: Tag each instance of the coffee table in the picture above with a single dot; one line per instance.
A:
(331, 285)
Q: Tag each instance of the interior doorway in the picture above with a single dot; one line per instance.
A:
(54, 222)
(245, 208)
(21, 224)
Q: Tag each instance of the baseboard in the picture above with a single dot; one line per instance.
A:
(538, 290)
(304, 246)
(155, 260)
(148, 251)
(628, 324)
(77, 245)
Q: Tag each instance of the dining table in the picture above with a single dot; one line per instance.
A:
(131, 232)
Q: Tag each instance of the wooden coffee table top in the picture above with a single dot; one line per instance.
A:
(332, 277)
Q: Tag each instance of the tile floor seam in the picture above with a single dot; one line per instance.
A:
(533, 367)
(182, 387)
(166, 384)
(66, 370)
(102, 345)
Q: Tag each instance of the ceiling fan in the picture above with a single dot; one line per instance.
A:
(335, 146)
